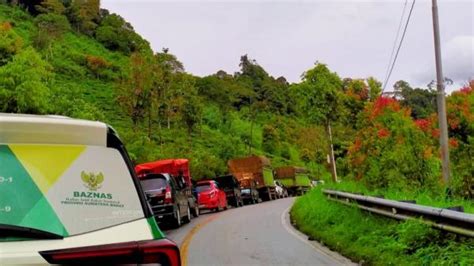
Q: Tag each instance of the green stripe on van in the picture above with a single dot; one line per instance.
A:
(155, 230)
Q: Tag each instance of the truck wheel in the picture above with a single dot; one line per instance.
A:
(196, 211)
(177, 219)
(187, 219)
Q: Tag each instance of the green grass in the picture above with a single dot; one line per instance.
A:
(376, 240)
(429, 198)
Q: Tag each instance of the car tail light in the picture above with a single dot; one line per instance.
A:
(162, 252)
(168, 197)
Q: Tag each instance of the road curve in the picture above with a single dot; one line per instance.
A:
(253, 235)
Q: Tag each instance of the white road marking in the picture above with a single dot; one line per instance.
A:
(285, 221)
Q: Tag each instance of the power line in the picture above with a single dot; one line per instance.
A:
(399, 46)
(396, 38)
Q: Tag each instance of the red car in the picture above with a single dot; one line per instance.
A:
(210, 196)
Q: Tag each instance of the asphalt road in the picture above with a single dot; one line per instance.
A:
(258, 234)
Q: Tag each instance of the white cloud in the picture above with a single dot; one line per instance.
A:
(459, 58)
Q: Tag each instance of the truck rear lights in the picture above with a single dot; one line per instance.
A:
(163, 252)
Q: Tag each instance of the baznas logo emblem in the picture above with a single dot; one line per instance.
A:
(92, 181)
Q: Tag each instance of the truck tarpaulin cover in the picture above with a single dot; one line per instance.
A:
(289, 172)
(248, 168)
(170, 166)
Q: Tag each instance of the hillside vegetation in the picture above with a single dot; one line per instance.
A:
(73, 58)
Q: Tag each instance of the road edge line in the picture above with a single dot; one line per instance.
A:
(285, 221)
(189, 236)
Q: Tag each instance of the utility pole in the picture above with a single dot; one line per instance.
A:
(332, 160)
(442, 120)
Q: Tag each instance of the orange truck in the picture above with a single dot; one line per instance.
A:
(254, 172)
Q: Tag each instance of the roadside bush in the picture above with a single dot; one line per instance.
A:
(370, 239)
(50, 27)
(460, 107)
(24, 84)
(460, 114)
(390, 151)
(97, 65)
(10, 43)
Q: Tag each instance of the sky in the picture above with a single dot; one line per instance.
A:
(354, 38)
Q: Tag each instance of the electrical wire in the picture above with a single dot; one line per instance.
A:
(399, 46)
(396, 39)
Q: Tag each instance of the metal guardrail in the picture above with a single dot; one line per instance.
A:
(444, 219)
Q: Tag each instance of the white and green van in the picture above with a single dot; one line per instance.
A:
(69, 195)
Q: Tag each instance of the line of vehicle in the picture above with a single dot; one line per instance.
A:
(187, 239)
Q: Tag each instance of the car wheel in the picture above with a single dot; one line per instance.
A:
(177, 220)
(226, 206)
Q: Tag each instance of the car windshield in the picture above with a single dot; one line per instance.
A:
(203, 187)
(64, 190)
(245, 191)
(154, 184)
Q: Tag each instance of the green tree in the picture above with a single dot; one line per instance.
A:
(357, 95)
(270, 94)
(320, 98)
(421, 102)
(271, 139)
(84, 15)
(10, 43)
(24, 84)
(170, 91)
(51, 6)
(390, 151)
(51, 27)
(375, 88)
(117, 34)
(136, 89)
(460, 111)
(192, 109)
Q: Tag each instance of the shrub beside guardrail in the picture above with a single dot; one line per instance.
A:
(444, 219)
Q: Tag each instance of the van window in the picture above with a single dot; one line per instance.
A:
(154, 183)
(66, 189)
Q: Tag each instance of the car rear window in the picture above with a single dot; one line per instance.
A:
(66, 189)
(154, 184)
(203, 187)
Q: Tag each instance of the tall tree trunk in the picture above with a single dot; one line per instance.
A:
(149, 122)
(251, 136)
(169, 120)
(331, 153)
(200, 125)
